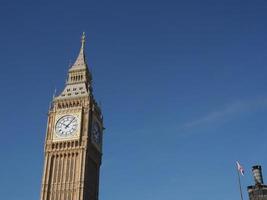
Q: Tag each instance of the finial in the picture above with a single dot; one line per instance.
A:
(55, 93)
(51, 103)
(70, 63)
(83, 39)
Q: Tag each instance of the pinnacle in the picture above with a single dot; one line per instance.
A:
(80, 62)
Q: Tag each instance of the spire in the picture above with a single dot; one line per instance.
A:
(83, 40)
(80, 62)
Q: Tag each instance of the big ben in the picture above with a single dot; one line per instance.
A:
(73, 143)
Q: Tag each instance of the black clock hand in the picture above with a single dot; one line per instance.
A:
(69, 123)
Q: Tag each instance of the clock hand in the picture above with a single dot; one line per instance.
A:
(69, 123)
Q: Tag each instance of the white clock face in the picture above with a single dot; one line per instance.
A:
(66, 126)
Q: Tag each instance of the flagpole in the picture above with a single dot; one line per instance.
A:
(239, 183)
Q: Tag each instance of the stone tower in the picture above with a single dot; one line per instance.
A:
(73, 144)
(259, 190)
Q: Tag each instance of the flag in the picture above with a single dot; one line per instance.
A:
(240, 168)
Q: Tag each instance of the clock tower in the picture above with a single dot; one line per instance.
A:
(73, 144)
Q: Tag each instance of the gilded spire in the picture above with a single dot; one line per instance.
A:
(80, 62)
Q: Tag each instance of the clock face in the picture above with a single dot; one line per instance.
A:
(66, 126)
(96, 137)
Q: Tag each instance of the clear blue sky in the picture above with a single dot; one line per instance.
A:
(183, 86)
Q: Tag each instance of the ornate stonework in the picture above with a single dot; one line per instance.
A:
(73, 144)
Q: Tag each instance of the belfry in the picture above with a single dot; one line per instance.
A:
(73, 143)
